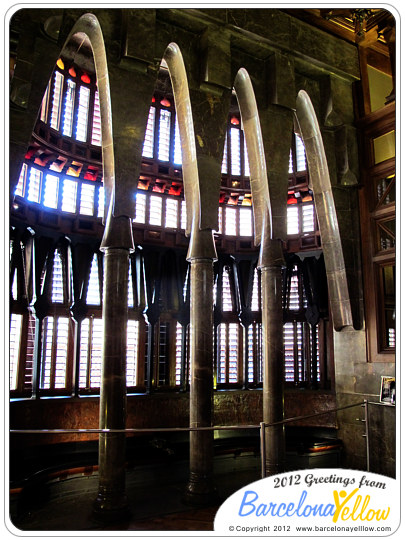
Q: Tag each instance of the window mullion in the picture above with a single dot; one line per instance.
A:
(90, 112)
(53, 355)
(89, 351)
(307, 360)
(156, 133)
(296, 362)
(172, 135)
(242, 152)
(22, 357)
(228, 152)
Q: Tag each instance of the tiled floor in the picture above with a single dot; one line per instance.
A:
(155, 498)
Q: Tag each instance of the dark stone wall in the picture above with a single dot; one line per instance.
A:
(158, 410)
(283, 55)
(358, 380)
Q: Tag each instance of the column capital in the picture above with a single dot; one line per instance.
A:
(118, 233)
(271, 254)
(201, 246)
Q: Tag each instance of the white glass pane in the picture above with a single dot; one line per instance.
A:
(391, 337)
(46, 361)
(15, 337)
(222, 338)
(220, 212)
(96, 129)
(171, 213)
(289, 351)
(96, 353)
(61, 352)
(100, 212)
(294, 302)
(177, 158)
(82, 114)
(84, 352)
(235, 152)
(57, 279)
(69, 195)
(233, 353)
(164, 135)
(179, 333)
(230, 221)
(51, 191)
(292, 219)
(183, 217)
(290, 164)
(132, 352)
(140, 208)
(250, 354)
(14, 286)
(93, 291)
(226, 293)
(34, 185)
(68, 108)
(308, 215)
(255, 302)
(87, 199)
(130, 287)
(245, 222)
(21, 181)
(56, 100)
(224, 169)
(300, 152)
(149, 135)
(155, 210)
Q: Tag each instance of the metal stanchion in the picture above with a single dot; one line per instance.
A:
(263, 448)
(366, 435)
(262, 426)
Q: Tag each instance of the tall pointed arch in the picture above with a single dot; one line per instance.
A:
(201, 255)
(88, 27)
(325, 207)
(270, 261)
(257, 163)
(199, 240)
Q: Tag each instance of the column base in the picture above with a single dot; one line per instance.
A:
(108, 509)
(200, 491)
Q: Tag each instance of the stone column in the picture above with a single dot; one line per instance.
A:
(273, 357)
(200, 489)
(111, 501)
(202, 136)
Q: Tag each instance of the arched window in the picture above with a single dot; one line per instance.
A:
(62, 177)
(71, 104)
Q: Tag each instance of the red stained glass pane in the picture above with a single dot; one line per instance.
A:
(91, 174)
(30, 153)
(85, 78)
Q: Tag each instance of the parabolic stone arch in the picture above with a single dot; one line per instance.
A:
(270, 262)
(325, 208)
(201, 255)
(116, 244)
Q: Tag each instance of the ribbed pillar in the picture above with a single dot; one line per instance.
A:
(200, 489)
(273, 367)
(111, 502)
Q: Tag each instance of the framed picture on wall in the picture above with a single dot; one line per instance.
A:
(387, 392)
